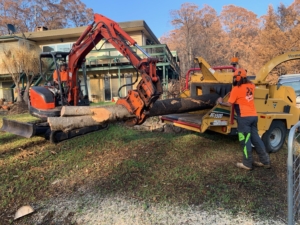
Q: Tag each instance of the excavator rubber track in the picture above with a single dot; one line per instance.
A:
(59, 136)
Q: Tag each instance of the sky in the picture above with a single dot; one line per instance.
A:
(156, 13)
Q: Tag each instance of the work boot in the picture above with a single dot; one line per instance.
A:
(259, 164)
(242, 166)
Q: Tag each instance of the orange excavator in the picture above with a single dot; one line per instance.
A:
(46, 101)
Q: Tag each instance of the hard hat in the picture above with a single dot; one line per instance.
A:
(239, 73)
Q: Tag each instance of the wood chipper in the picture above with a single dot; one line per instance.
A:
(275, 104)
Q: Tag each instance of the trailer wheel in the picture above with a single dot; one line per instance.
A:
(275, 136)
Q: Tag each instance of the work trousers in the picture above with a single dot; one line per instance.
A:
(247, 132)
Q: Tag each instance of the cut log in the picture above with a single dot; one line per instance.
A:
(73, 117)
(160, 107)
(69, 123)
(181, 105)
(92, 110)
(88, 116)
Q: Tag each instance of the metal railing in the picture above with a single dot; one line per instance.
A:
(293, 171)
(111, 55)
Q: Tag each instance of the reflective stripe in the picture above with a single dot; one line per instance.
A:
(245, 152)
(241, 136)
(245, 147)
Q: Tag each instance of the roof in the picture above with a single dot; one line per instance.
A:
(9, 38)
(47, 35)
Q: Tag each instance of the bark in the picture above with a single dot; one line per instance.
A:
(181, 105)
(91, 110)
(19, 96)
(73, 117)
(70, 123)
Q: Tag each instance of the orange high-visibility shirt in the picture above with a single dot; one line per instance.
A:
(63, 76)
(243, 96)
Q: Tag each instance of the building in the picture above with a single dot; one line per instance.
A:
(106, 68)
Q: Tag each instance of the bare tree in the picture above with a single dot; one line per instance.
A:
(185, 20)
(21, 60)
(10, 65)
(28, 61)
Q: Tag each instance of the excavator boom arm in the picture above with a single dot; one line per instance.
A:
(149, 88)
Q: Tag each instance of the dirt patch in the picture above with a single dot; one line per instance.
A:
(90, 208)
(50, 218)
(18, 108)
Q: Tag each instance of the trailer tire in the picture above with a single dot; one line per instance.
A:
(274, 137)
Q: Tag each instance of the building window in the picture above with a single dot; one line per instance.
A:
(128, 79)
(107, 89)
(115, 86)
(49, 48)
(66, 47)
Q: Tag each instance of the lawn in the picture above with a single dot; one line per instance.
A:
(185, 168)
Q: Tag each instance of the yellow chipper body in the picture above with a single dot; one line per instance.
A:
(276, 105)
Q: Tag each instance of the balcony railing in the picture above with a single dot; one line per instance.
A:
(111, 56)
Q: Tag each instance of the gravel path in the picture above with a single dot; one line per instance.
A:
(91, 209)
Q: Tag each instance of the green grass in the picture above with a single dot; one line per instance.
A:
(102, 103)
(185, 168)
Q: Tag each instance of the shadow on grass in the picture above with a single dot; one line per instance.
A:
(19, 144)
(4, 138)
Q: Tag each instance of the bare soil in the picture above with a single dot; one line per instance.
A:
(18, 108)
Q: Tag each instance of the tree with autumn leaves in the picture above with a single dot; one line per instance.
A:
(202, 32)
(26, 15)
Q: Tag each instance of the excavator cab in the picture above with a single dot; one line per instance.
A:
(47, 100)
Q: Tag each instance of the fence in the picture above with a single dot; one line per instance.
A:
(293, 169)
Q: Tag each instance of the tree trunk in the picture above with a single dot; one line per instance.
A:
(26, 93)
(73, 117)
(181, 105)
(19, 96)
(92, 110)
(70, 123)
(28, 84)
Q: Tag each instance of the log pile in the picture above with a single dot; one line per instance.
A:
(73, 117)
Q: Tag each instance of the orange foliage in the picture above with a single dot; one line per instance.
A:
(27, 15)
(202, 32)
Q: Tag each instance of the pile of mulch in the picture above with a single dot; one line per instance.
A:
(18, 108)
